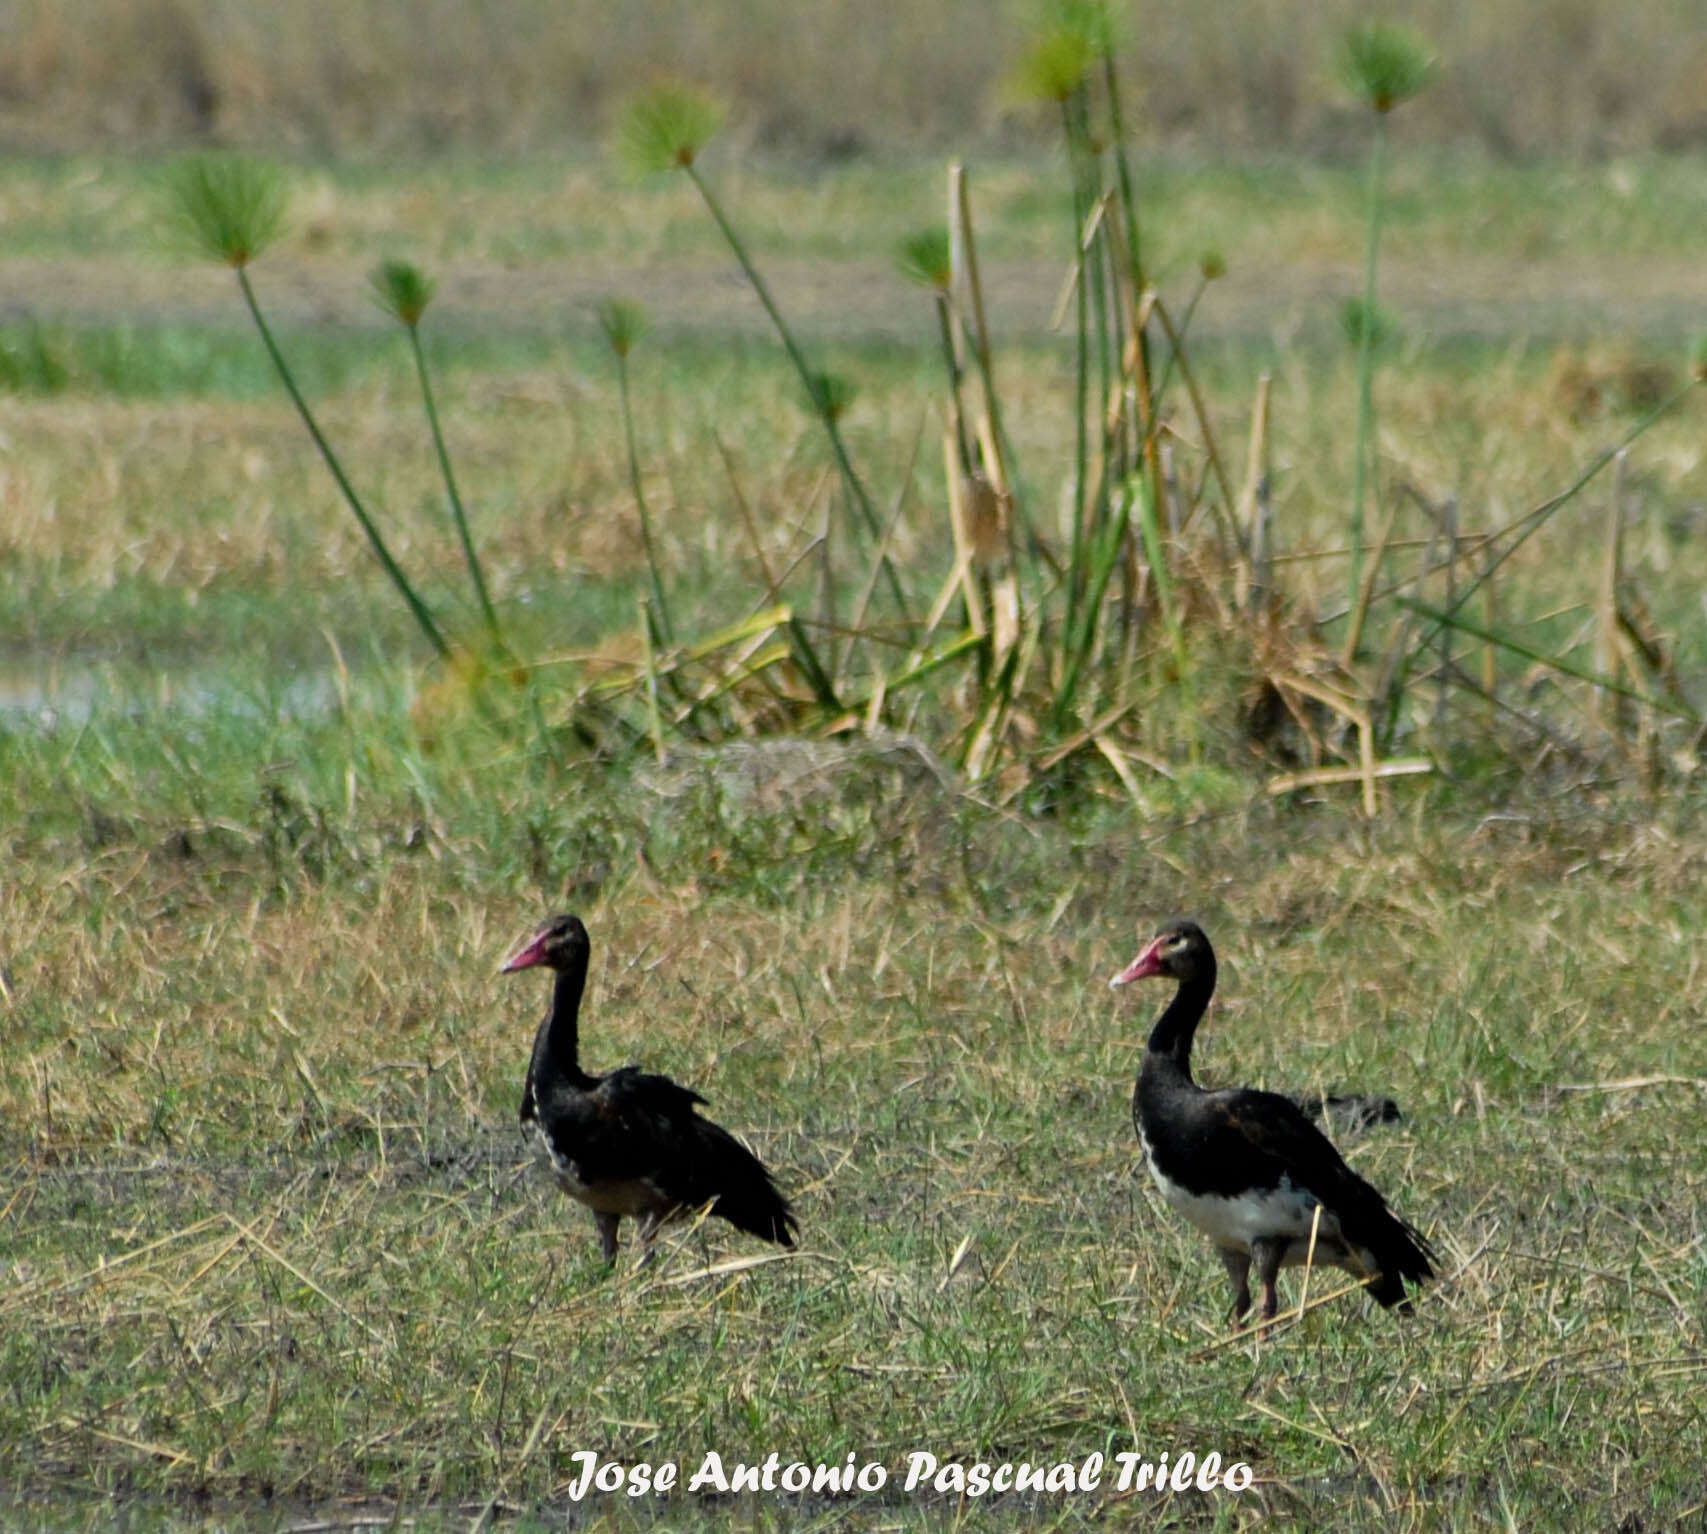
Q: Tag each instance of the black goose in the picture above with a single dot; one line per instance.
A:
(1248, 1168)
(630, 1143)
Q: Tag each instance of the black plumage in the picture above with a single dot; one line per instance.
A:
(1349, 1112)
(1249, 1168)
(630, 1142)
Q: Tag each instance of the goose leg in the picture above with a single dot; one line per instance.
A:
(607, 1224)
(1267, 1254)
(1238, 1266)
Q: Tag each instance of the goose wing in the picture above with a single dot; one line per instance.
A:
(637, 1125)
(1273, 1133)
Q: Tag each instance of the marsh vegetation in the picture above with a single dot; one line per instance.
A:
(271, 1253)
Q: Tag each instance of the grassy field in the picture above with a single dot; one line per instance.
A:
(271, 1255)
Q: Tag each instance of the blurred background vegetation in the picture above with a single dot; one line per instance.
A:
(837, 78)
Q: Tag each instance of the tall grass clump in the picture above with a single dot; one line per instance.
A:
(1383, 66)
(1143, 631)
(1088, 610)
(230, 210)
(1153, 602)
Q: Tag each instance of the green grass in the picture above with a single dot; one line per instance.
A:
(270, 1252)
(270, 1244)
(539, 210)
(128, 361)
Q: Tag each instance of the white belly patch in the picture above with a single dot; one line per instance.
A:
(1234, 1221)
(631, 1196)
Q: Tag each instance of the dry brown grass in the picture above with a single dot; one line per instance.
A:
(193, 490)
(268, 1237)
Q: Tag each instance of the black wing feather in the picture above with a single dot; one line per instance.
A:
(1278, 1134)
(1348, 1112)
(636, 1125)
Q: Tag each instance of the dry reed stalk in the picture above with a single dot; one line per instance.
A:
(484, 1518)
(1490, 621)
(723, 1269)
(1309, 1264)
(1366, 764)
(1468, 544)
(1006, 684)
(827, 620)
(1252, 1331)
(1256, 455)
(1223, 508)
(986, 735)
(266, 1249)
(745, 512)
(1252, 522)
(1449, 513)
(1366, 590)
(960, 486)
(1006, 606)
(1137, 303)
(1070, 283)
(654, 721)
(1368, 769)
(939, 609)
(882, 562)
(1115, 312)
(1133, 312)
(31, 1291)
(1089, 491)
(874, 704)
(1262, 547)
(141, 1445)
(1084, 737)
(1115, 759)
(1673, 703)
(963, 260)
(1006, 615)
(805, 656)
(1170, 497)
(1610, 654)
(750, 663)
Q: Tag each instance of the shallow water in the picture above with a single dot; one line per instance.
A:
(74, 692)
